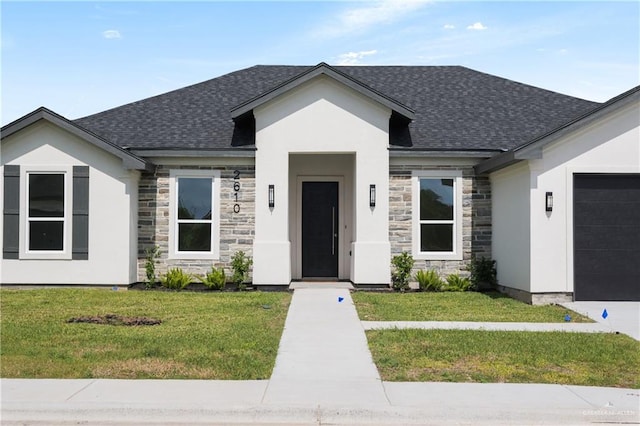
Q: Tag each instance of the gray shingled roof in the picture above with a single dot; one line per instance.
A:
(456, 108)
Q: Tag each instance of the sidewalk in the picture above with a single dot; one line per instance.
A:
(324, 374)
(192, 402)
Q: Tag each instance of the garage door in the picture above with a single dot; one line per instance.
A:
(606, 220)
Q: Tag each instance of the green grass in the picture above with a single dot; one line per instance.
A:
(202, 335)
(455, 306)
(506, 357)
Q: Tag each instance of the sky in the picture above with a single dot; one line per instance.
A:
(82, 57)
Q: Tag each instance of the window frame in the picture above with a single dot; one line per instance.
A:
(456, 253)
(25, 219)
(174, 253)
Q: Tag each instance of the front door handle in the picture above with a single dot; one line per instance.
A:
(333, 231)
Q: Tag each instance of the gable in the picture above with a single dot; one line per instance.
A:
(329, 73)
(43, 118)
(322, 115)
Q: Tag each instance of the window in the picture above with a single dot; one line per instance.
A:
(437, 215)
(194, 230)
(44, 219)
(46, 212)
(194, 213)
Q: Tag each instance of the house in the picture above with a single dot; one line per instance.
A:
(326, 173)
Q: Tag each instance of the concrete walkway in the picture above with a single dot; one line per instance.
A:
(324, 374)
(488, 326)
(323, 355)
(622, 317)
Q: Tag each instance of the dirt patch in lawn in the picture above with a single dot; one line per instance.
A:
(112, 319)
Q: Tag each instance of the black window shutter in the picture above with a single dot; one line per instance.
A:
(11, 221)
(80, 238)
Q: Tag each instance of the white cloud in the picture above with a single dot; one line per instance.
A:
(477, 26)
(111, 34)
(560, 52)
(449, 27)
(362, 18)
(353, 58)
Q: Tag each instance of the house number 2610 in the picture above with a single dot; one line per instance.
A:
(236, 190)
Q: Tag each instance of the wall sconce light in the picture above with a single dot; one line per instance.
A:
(372, 195)
(272, 196)
(548, 201)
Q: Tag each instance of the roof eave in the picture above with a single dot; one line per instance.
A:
(440, 153)
(196, 153)
(129, 160)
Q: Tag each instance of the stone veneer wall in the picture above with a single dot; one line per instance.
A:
(476, 214)
(236, 229)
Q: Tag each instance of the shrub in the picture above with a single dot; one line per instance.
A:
(152, 255)
(482, 273)
(176, 279)
(214, 280)
(402, 263)
(240, 264)
(457, 283)
(429, 280)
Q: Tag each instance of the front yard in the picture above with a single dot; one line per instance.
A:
(506, 357)
(201, 336)
(492, 356)
(235, 336)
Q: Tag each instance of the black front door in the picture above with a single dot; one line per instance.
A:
(320, 229)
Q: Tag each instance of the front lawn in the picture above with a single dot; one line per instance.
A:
(510, 357)
(202, 335)
(455, 306)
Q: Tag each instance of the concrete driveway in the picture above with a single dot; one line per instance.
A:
(622, 317)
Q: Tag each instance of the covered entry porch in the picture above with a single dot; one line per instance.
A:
(332, 232)
(321, 155)
(321, 212)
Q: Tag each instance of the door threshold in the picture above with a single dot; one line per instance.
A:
(320, 284)
(322, 279)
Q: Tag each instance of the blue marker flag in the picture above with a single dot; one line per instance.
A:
(567, 317)
(340, 299)
(605, 314)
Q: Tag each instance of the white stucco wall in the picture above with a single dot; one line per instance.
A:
(112, 210)
(610, 145)
(322, 116)
(533, 247)
(510, 225)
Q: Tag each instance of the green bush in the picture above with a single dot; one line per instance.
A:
(482, 273)
(402, 263)
(457, 283)
(152, 255)
(176, 279)
(240, 264)
(214, 280)
(429, 280)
